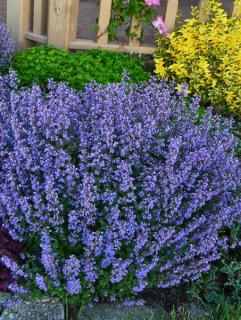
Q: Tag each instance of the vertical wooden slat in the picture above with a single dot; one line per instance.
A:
(62, 22)
(40, 15)
(237, 8)
(171, 13)
(104, 20)
(73, 24)
(202, 5)
(19, 20)
(136, 31)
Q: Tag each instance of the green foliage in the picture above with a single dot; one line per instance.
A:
(219, 290)
(123, 10)
(222, 283)
(38, 64)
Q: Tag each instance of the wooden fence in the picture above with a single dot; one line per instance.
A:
(55, 22)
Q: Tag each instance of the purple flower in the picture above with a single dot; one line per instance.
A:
(131, 303)
(40, 282)
(7, 45)
(71, 268)
(12, 265)
(73, 286)
(71, 271)
(114, 184)
(48, 257)
(19, 289)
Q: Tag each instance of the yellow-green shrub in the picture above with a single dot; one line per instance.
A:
(207, 56)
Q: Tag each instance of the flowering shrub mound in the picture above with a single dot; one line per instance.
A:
(114, 189)
(208, 57)
(6, 46)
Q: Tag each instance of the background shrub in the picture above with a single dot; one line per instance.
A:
(38, 64)
(207, 57)
(114, 189)
(6, 46)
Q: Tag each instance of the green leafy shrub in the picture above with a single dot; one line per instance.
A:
(38, 64)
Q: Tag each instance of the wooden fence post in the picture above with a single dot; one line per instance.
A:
(104, 20)
(171, 14)
(202, 5)
(62, 22)
(237, 8)
(19, 21)
(40, 17)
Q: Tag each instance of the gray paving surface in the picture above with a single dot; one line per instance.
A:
(3, 11)
(115, 312)
(88, 13)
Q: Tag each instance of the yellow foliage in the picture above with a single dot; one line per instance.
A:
(207, 56)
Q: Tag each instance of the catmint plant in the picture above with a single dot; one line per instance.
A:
(114, 189)
(7, 46)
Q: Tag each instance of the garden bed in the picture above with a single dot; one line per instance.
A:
(120, 186)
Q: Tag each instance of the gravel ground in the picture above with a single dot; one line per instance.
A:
(50, 309)
(45, 309)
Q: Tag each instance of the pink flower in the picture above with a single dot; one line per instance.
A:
(151, 3)
(160, 25)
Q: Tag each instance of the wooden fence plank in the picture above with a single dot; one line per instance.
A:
(104, 20)
(36, 37)
(136, 31)
(171, 13)
(73, 24)
(40, 14)
(237, 8)
(202, 5)
(62, 26)
(19, 20)
(89, 44)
